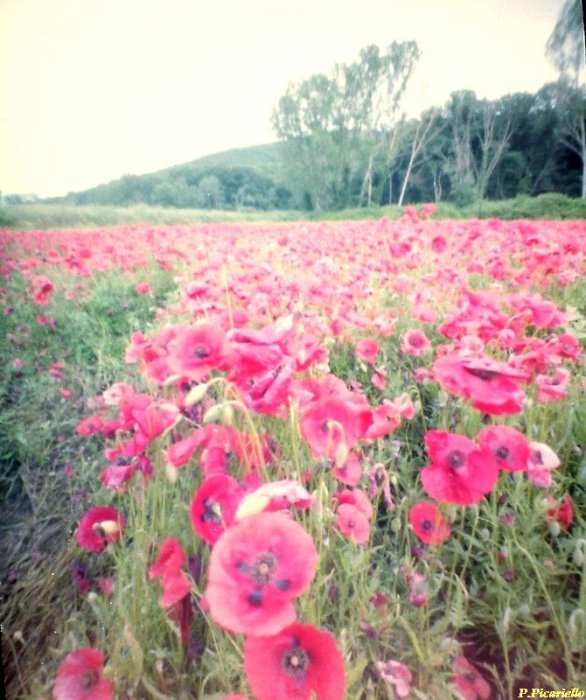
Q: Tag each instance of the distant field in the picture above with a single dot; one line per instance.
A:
(41, 216)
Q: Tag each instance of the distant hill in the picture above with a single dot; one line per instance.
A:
(241, 178)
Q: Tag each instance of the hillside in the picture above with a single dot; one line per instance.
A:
(239, 178)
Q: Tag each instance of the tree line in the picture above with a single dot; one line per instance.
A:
(348, 144)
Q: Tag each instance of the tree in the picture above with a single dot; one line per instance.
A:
(334, 126)
(565, 46)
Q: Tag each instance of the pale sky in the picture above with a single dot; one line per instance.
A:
(94, 89)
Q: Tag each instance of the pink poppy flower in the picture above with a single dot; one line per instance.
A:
(198, 350)
(468, 682)
(257, 568)
(509, 446)
(298, 663)
(167, 567)
(367, 350)
(214, 505)
(99, 527)
(415, 343)
(460, 471)
(79, 677)
(397, 675)
(542, 461)
(352, 523)
(428, 523)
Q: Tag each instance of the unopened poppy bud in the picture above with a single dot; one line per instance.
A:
(196, 394)
(579, 556)
(213, 414)
(555, 528)
(341, 454)
(171, 473)
(227, 415)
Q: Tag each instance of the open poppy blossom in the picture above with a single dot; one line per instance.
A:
(79, 677)
(257, 568)
(199, 349)
(509, 446)
(367, 350)
(214, 506)
(460, 471)
(493, 387)
(542, 461)
(468, 682)
(397, 675)
(299, 663)
(428, 523)
(168, 568)
(415, 343)
(331, 422)
(99, 527)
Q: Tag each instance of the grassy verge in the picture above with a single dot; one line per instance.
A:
(44, 216)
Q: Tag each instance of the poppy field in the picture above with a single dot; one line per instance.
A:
(294, 460)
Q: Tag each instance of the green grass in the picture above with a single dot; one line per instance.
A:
(45, 216)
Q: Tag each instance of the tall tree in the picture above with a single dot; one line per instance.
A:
(565, 47)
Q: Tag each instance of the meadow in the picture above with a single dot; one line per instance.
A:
(294, 459)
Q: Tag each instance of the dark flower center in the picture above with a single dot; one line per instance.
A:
(456, 459)
(502, 453)
(416, 341)
(470, 677)
(263, 568)
(484, 374)
(295, 662)
(201, 352)
(537, 457)
(89, 679)
(427, 525)
(211, 512)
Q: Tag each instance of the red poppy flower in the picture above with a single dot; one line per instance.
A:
(330, 422)
(214, 506)
(509, 446)
(299, 663)
(98, 527)
(415, 343)
(197, 350)
(553, 388)
(468, 682)
(561, 512)
(367, 350)
(168, 568)
(256, 568)
(460, 471)
(493, 387)
(352, 523)
(42, 288)
(542, 461)
(79, 677)
(428, 523)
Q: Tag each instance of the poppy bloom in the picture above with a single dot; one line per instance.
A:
(42, 288)
(199, 349)
(98, 527)
(272, 496)
(542, 461)
(330, 422)
(367, 350)
(553, 388)
(467, 681)
(561, 512)
(214, 506)
(299, 663)
(256, 568)
(509, 446)
(397, 675)
(352, 523)
(79, 677)
(460, 471)
(415, 343)
(143, 288)
(493, 387)
(428, 523)
(168, 568)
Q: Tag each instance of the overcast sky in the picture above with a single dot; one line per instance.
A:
(94, 89)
